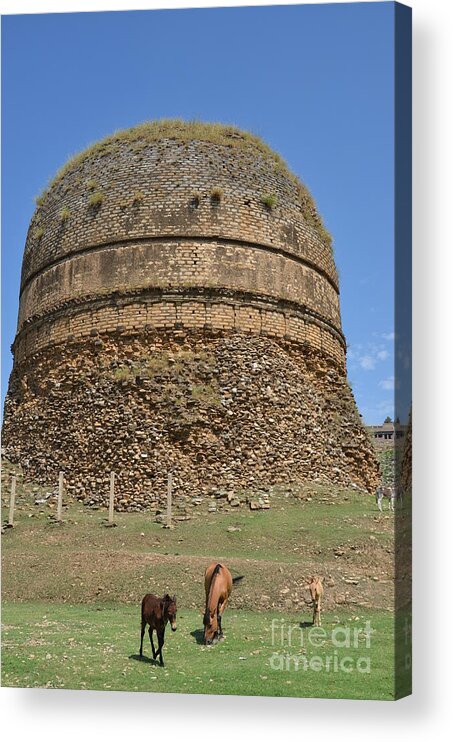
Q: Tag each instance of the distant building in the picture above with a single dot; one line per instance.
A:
(387, 433)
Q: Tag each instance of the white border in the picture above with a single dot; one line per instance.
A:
(71, 715)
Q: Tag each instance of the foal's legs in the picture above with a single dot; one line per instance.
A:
(317, 613)
(150, 632)
(141, 640)
(160, 638)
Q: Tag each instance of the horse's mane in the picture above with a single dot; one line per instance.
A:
(213, 576)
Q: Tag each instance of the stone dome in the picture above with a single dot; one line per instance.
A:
(203, 218)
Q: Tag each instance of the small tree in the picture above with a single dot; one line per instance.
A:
(387, 420)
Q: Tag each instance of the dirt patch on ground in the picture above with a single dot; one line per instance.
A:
(87, 577)
(335, 533)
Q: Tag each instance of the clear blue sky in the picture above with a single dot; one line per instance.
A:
(316, 82)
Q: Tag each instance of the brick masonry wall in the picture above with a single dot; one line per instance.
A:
(159, 227)
(212, 314)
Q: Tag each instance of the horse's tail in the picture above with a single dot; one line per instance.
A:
(237, 579)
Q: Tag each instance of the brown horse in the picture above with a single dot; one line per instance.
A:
(156, 612)
(218, 583)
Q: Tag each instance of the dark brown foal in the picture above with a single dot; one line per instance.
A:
(156, 612)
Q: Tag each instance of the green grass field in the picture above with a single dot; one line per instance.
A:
(72, 593)
(96, 647)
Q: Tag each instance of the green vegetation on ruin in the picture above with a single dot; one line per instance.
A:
(96, 199)
(170, 369)
(216, 194)
(206, 394)
(162, 362)
(269, 200)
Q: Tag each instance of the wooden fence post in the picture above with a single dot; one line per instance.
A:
(112, 496)
(60, 495)
(12, 501)
(169, 495)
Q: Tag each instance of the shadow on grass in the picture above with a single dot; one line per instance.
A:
(143, 658)
(306, 624)
(198, 635)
